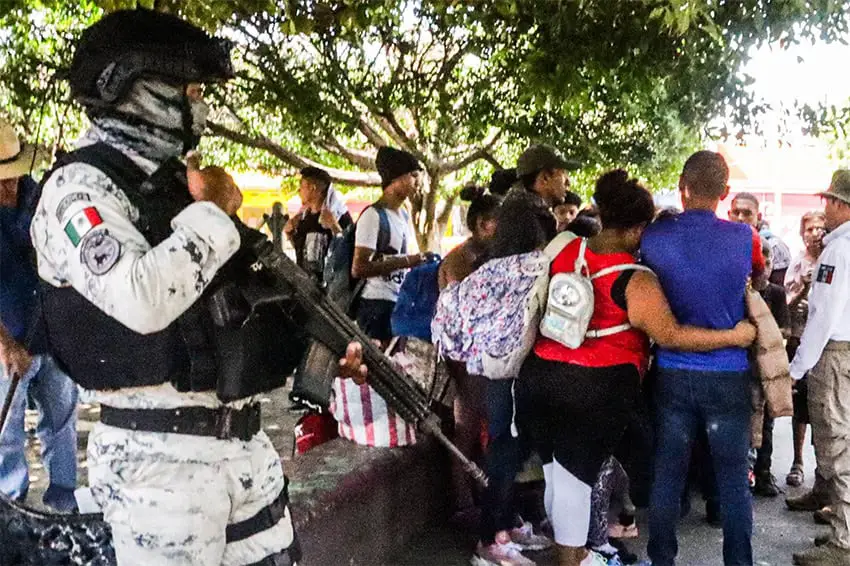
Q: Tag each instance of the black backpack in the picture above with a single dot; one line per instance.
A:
(340, 286)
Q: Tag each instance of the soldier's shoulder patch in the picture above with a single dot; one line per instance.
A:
(825, 274)
(100, 252)
(81, 224)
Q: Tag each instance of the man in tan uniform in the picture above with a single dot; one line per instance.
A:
(825, 353)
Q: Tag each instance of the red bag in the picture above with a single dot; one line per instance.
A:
(313, 429)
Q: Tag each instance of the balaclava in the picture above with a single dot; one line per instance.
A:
(155, 120)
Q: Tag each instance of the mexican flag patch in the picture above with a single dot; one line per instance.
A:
(81, 223)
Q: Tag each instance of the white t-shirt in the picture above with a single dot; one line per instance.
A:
(385, 287)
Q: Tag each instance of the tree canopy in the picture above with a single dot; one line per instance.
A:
(462, 84)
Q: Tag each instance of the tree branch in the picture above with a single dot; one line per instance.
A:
(370, 132)
(291, 158)
(358, 158)
(447, 68)
(489, 158)
(389, 123)
(443, 217)
(482, 152)
(417, 123)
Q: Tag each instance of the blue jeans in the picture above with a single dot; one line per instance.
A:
(502, 462)
(719, 402)
(55, 397)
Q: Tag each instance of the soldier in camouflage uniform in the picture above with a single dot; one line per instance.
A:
(173, 491)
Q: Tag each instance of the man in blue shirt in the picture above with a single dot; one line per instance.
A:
(703, 264)
(21, 354)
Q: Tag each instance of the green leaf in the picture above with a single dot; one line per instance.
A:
(632, 83)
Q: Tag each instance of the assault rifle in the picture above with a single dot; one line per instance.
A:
(35, 538)
(326, 323)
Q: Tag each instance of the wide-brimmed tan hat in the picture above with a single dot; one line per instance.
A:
(16, 159)
(839, 187)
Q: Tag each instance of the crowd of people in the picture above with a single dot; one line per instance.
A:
(659, 300)
(573, 405)
(681, 349)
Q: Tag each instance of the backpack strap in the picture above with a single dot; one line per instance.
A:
(621, 267)
(403, 250)
(384, 230)
(557, 245)
(608, 331)
(602, 332)
(581, 263)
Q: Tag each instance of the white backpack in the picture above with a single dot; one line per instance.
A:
(490, 319)
(570, 304)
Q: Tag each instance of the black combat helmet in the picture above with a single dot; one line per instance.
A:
(128, 44)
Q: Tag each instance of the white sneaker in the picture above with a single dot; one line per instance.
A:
(526, 539)
(596, 559)
(499, 554)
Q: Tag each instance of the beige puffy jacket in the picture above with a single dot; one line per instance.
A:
(772, 384)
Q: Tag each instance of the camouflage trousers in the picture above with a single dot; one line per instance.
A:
(169, 498)
(829, 412)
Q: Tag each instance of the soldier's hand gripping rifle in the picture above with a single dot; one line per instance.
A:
(326, 323)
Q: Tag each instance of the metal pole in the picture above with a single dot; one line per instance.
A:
(7, 404)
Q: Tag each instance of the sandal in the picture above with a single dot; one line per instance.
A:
(620, 531)
(796, 476)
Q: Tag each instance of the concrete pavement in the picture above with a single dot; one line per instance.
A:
(778, 533)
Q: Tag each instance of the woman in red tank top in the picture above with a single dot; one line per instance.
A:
(575, 403)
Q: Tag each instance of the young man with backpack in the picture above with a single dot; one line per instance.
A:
(383, 239)
(385, 243)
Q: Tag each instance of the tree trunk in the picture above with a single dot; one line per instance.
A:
(427, 232)
(443, 220)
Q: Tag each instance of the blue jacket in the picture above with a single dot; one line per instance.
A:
(18, 273)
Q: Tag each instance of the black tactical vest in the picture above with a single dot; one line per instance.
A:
(237, 339)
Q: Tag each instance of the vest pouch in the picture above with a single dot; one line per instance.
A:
(100, 353)
(258, 355)
(314, 378)
(228, 307)
(569, 308)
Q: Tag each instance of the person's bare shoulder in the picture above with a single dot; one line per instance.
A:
(454, 266)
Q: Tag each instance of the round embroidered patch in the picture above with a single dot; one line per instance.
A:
(99, 252)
